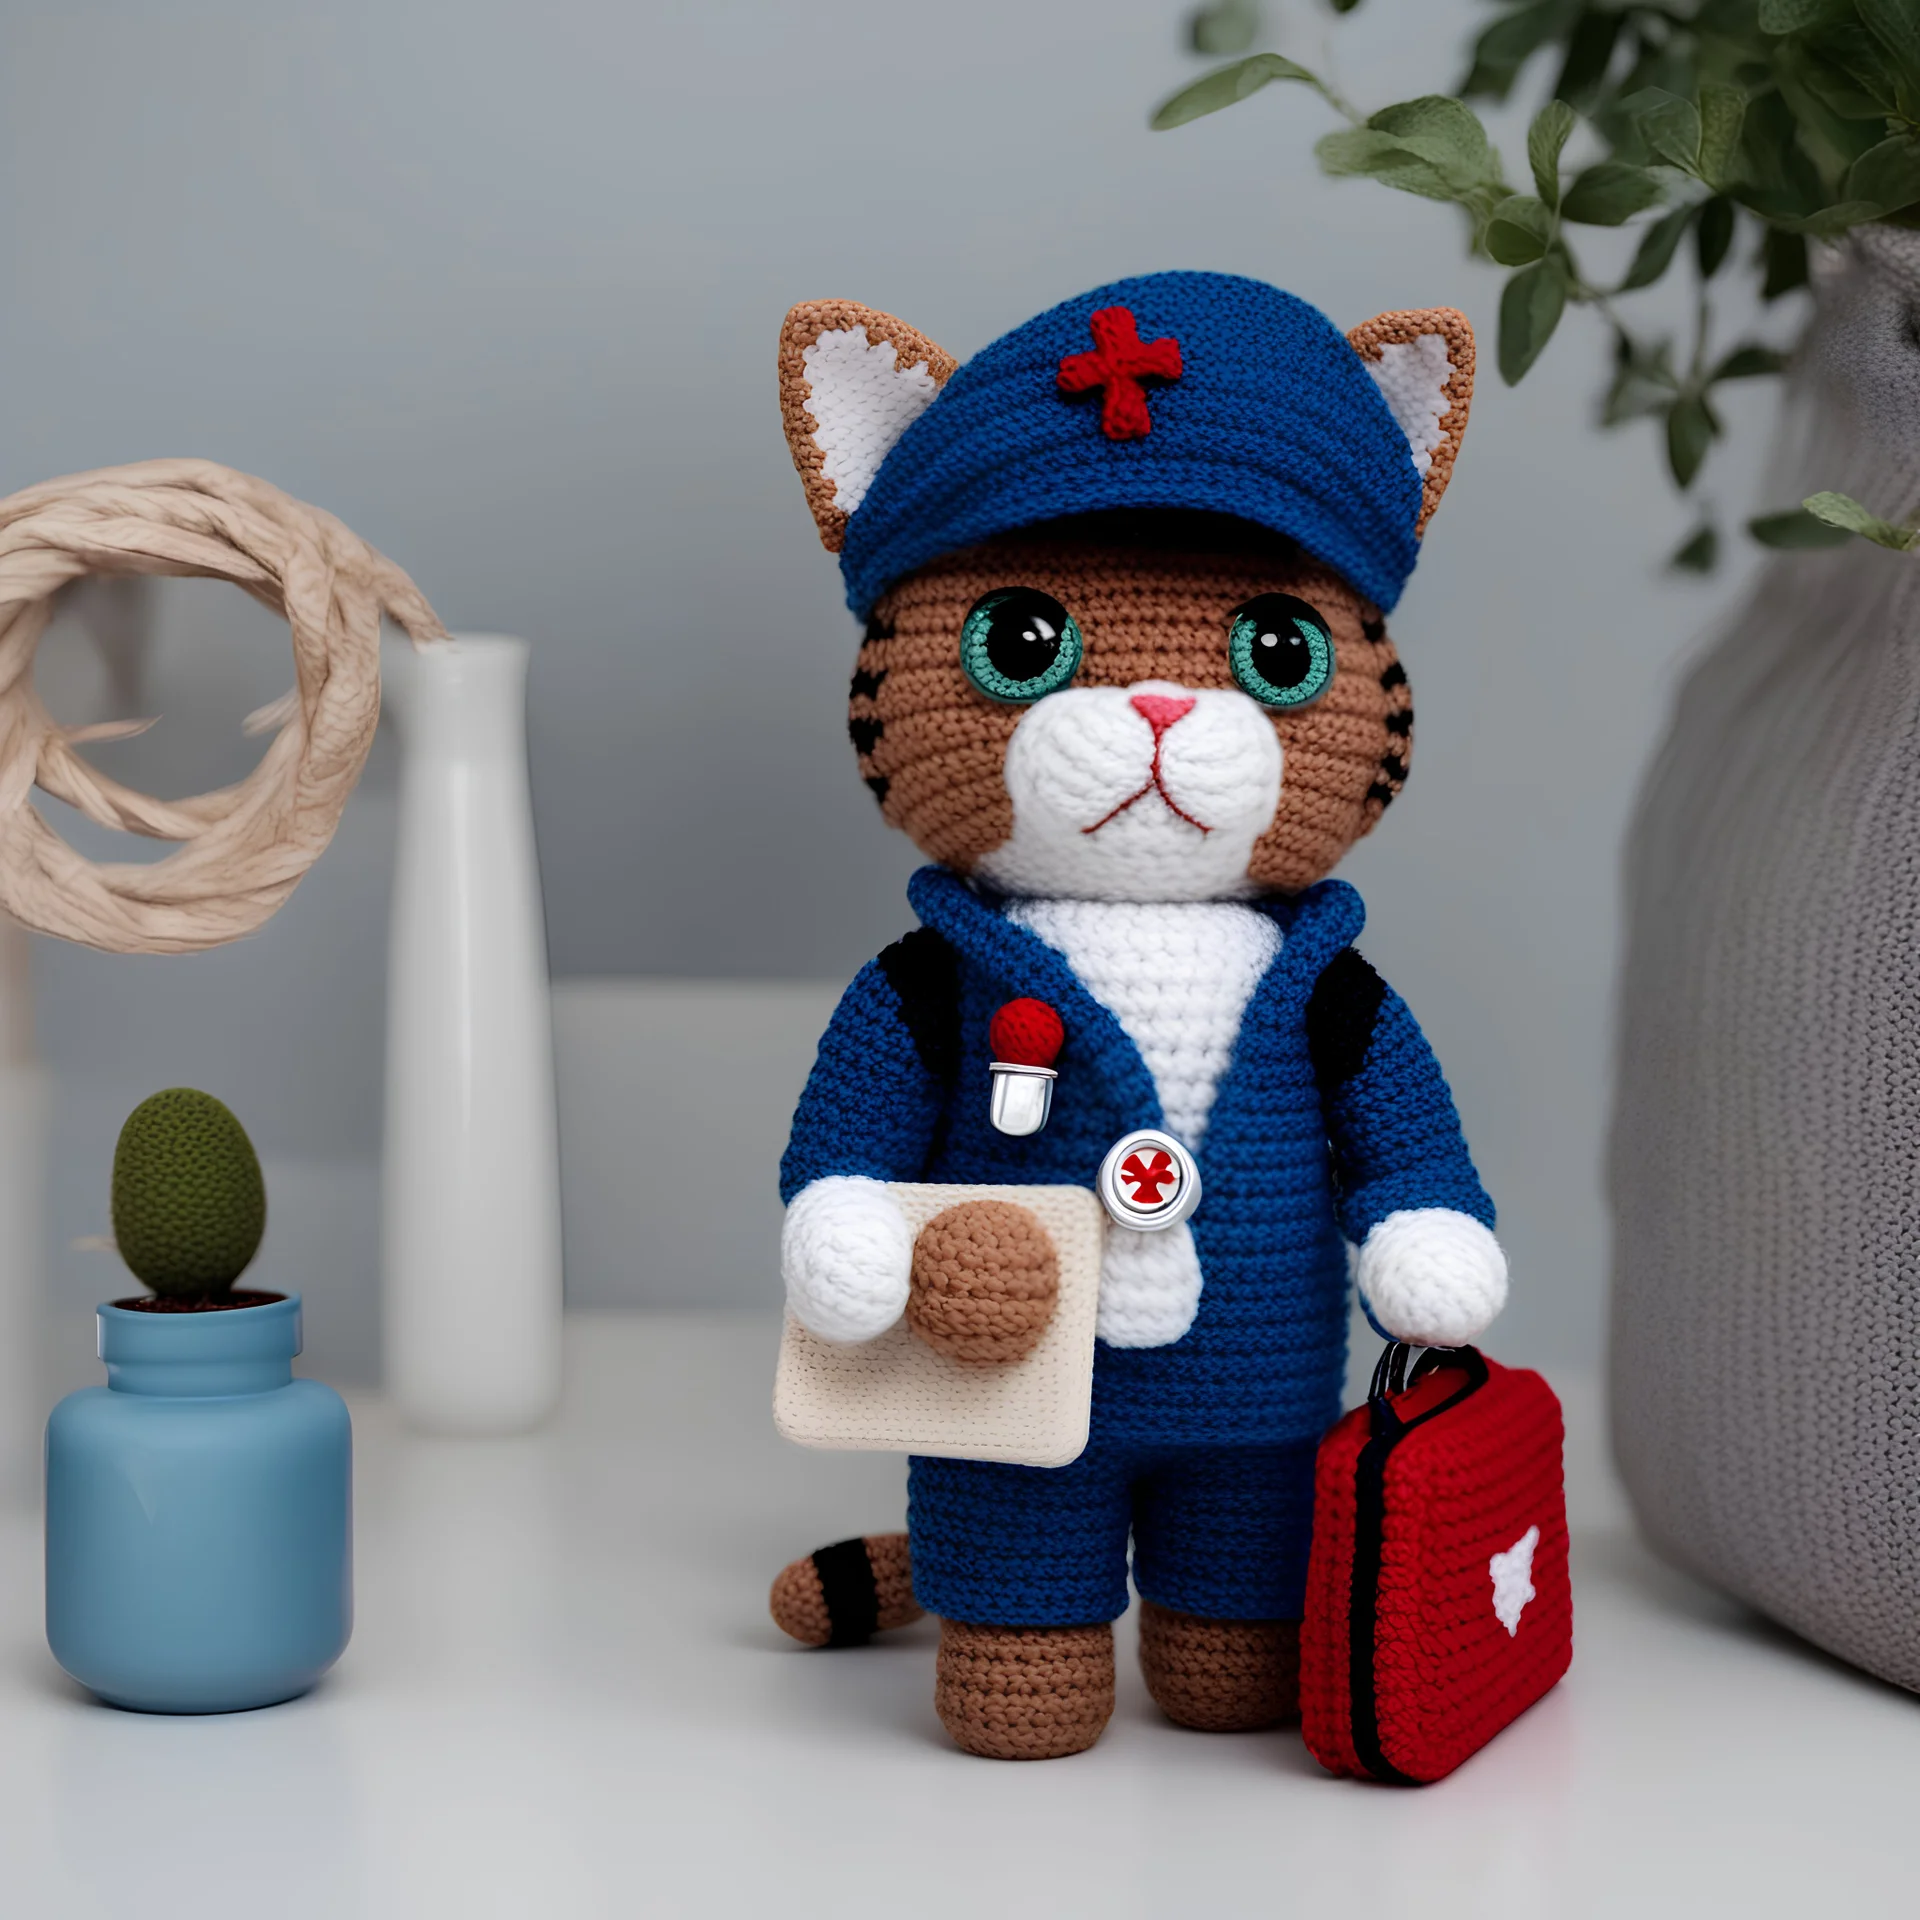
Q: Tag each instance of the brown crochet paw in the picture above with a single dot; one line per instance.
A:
(1220, 1676)
(985, 1279)
(842, 1595)
(1024, 1693)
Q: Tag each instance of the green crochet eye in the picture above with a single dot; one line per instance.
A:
(1019, 644)
(1281, 650)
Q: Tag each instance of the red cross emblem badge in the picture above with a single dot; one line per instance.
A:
(1118, 368)
(1149, 1181)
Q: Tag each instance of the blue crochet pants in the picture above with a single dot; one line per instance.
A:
(1221, 1532)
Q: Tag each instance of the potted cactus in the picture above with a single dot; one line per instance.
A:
(199, 1504)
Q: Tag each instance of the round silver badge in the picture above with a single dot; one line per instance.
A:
(1148, 1181)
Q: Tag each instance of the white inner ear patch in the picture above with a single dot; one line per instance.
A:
(862, 400)
(1412, 376)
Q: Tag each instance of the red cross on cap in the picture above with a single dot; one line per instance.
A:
(1119, 363)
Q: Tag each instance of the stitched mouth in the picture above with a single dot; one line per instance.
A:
(1154, 785)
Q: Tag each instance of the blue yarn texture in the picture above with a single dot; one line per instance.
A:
(1285, 1176)
(1222, 1532)
(1273, 420)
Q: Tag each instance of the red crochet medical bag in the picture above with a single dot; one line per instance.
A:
(1438, 1603)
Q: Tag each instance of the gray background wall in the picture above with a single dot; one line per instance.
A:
(499, 284)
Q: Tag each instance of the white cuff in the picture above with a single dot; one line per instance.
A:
(1432, 1276)
(846, 1254)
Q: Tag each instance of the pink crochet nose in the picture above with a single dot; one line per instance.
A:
(1161, 710)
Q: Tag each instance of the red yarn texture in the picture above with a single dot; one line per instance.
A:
(1116, 368)
(1461, 1488)
(1026, 1033)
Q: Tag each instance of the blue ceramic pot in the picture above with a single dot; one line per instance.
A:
(199, 1511)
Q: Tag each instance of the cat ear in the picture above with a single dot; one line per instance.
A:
(852, 381)
(1422, 363)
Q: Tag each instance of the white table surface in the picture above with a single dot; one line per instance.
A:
(564, 1697)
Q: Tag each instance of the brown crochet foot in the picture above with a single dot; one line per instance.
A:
(843, 1595)
(1024, 1693)
(1220, 1676)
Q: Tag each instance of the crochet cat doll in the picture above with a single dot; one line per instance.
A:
(1127, 682)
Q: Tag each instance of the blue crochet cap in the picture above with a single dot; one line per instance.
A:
(1271, 417)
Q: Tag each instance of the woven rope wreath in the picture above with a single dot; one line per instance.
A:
(246, 847)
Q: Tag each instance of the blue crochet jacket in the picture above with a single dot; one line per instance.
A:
(1332, 1114)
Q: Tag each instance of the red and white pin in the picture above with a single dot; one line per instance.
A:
(1148, 1181)
(1026, 1037)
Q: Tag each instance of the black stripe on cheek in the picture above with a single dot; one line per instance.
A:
(877, 785)
(865, 732)
(852, 1597)
(1375, 630)
(1401, 722)
(866, 683)
(1394, 676)
(1378, 791)
(1393, 766)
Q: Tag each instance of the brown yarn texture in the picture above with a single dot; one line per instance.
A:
(984, 1284)
(1220, 1676)
(1024, 1693)
(243, 848)
(799, 1608)
(1456, 330)
(803, 326)
(938, 747)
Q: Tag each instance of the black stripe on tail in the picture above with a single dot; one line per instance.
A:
(852, 1597)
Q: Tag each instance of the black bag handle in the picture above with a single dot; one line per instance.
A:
(1390, 1376)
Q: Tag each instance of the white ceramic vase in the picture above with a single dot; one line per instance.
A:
(471, 1227)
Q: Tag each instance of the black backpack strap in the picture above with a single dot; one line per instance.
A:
(924, 973)
(1342, 1012)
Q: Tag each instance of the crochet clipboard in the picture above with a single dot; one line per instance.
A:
(894, 1394)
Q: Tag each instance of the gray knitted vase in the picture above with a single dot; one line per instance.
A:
(1765, 1166)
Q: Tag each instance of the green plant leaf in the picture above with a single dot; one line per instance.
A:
(1505, 47)
(1839, 510)
(1433, 146)
(1610, 194)
(1545, 139)
(1228, 86)
(1699, 552)
(1714, 235)
(1669, 125)
(1657, 247)
(1644, 382)
(1796, 531)
(1748, 363)
(1722, 109)
(1225, 26)
(1361, 151)
(1887, 175)
(1589, 54)
(1690, 430)
(1785, 258)
(1831, 220)
(1521, 230)
(1444, 132)
(1789, 16)
(1846, 72)
(1896, 25)
(1530, 309)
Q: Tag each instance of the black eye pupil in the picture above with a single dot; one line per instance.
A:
(1023, 634)
(1281, 652)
